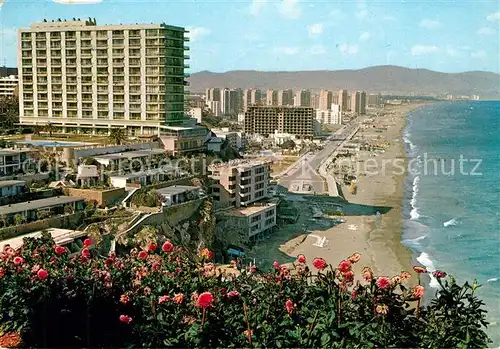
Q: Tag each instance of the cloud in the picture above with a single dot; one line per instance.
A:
(197, 32)
(77, 2)
(452, 52)
(478, 54)
(485, 31)
(365, 36)
(348, 49)
(317, 50)
(315, 29)
(418, 50)
(429, 23)
(493, 17)
(290, 9)
(286, 50)
(256, 6)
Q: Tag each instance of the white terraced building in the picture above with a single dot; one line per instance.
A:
(8, 85)
(85, 78)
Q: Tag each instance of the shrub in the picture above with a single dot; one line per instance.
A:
(166, 296)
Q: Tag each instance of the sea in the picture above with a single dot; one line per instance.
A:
(452, 198)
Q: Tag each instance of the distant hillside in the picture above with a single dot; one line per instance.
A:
(383, 79)
(4, 71)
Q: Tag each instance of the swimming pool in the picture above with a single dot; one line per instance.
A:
(54, 143)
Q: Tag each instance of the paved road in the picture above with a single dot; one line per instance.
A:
(304, 177)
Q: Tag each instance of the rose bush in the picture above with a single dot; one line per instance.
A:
(170, 297)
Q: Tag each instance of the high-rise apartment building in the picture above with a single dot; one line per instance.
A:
(271, 97)
(374, 100)
(240, 182)
(332, 116)
(9, 86)
(285, 98)
(358, 102)
(303, 98)
(251, 97)
(343, 100)
(212, 94)
(335, 98)
(230, 101)
(266, 120)
(325, 99)
(85, 78)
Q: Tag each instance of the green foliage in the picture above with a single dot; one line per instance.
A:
(135, 301)
(146, 198)
(117, 136)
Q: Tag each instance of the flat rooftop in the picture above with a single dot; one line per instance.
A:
(176, 189)
(38, 204)
(250, 210)
(239, 163)
(10, 183)
(164, 169)
(58, 235)
(130, 154)
(13, 151)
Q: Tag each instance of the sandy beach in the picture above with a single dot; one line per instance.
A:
(377, 239)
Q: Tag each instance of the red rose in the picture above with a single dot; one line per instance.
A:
(167, 246)
(87, 242)
(206, 253)
(383, 282)
(142, 255)
(86, 253)
(2, 272)
(204, 300)
(60, 250)
(349, 276)
(319, 263)
(354, 294)
(233, 294)
(301, 258)
(125, 319)
(276, 265)
(344, 266)
(163, 299)
(419, 270)
(289, 306)
(42, 274)
(18, 260)
(152, 247)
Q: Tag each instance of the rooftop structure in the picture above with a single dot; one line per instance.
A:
(256, 220)
(27, 208)
(178, 194)
(60, 236)
(85, 78)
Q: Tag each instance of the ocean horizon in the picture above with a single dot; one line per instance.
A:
(450, 211)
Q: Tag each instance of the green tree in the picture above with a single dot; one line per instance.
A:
(9, 111)
(288, 144)
(117, 136)
(49, 128)
(19, 219)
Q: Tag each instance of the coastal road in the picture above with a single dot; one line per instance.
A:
(303, 177)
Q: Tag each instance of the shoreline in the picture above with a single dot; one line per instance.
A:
(381, 247)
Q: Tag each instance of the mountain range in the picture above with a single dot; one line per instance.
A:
(379, 79)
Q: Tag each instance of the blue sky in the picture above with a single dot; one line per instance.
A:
(449, 36)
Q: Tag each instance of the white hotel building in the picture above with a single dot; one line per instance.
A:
(85, 78)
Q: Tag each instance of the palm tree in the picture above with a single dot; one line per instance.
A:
(117, 135)
(49, 128)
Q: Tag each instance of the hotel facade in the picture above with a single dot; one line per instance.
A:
(85, 78)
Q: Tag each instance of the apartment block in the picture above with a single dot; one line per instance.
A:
(285, 97)
(271, 97)
(254, 220)
(325, 99)
(179, 140)
(87, 78)
(12, 161)
(9, 86)
(358, 103)
(332, 116)
(303, 98)
(374, 100)
(214, 106)
(240, 182)
(251, 97)
(212, 94)
(231, 101)
(266, 120)
(343, 100)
